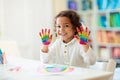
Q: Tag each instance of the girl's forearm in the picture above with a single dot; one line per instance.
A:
(45, 49)
(86, 47)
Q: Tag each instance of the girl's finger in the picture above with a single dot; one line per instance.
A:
(78, 30)
(82, 30)
(45, 31)
(76, 36)
(42, 32)
(50, 38)
(48, 31)
(89, 33)
(86, 30)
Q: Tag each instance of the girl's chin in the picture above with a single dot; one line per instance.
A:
(65, 40)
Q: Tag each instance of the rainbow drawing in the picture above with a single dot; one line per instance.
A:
(56, 69)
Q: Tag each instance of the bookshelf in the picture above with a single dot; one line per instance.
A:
(103, 19)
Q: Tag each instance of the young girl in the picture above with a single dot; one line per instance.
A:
(72, 47)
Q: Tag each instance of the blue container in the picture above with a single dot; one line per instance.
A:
(72, 5)
(0, 56)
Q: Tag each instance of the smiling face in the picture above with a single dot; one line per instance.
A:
(65, 29)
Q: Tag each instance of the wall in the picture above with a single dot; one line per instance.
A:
(21, 20)
(59, 5)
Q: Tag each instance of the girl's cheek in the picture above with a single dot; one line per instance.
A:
(58, 32)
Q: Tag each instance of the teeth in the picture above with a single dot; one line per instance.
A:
(62, 34)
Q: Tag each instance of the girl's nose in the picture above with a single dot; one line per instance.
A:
(62, 29)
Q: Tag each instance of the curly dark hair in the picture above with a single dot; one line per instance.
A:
(72, 15)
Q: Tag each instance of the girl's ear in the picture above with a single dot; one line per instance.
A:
(76, 32)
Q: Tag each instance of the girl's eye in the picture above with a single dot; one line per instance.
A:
(66, 25)
(58, 26)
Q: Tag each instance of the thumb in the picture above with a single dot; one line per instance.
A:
(77, 37)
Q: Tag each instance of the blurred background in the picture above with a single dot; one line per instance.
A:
(22, 20)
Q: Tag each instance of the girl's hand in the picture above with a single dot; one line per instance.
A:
(83, 35)
(45, 36)
(4, 58)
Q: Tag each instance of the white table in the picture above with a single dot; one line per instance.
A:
(29, 68)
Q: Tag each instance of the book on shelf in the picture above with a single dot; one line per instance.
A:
(104, 53)
(102, 20)
(118, 36)
(104, 36)
(86, 4)
(72, 5)
(99, 36)
(107, 37)
(115, 19)
(107, 4)
(116, 52)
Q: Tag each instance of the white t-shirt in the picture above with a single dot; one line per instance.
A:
(71, 54)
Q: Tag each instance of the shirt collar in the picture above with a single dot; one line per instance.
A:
(69, 43)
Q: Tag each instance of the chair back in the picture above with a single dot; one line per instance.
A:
(105, 66)
(111, 65)
(10, 48)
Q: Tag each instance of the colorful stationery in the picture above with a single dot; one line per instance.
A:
(1, 60)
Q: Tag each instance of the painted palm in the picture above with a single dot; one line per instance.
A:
(45, 36)
(83, 35)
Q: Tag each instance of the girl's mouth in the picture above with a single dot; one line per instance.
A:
(64, 34)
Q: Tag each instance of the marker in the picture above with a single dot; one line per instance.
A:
(1, 56)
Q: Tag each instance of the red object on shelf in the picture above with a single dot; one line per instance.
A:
(116, 52)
